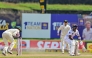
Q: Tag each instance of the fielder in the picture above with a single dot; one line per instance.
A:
(64, 30)
(9, 35)
(74, 45)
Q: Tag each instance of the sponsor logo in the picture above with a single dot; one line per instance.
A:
(89, 46)
(24, 44)
(36, 25)
(3, 25)
(46, 44)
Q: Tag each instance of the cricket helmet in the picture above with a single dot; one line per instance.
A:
(74, 26)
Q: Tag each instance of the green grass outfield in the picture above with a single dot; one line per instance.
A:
(36, 6)
(47, 55)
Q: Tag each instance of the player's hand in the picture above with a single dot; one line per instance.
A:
(58, 34)
(79, 38)
(81, 42)
(71, 39)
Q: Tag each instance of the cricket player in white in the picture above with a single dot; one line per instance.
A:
(64, 30)
(9, 35)
(73, 32)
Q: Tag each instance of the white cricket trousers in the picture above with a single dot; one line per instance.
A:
(72, 45)
(8, 36)
(63, 43)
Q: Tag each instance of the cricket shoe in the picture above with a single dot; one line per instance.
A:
(78, 54)
(72, 54)
(4, 54)
(9, 52)
(69, 52)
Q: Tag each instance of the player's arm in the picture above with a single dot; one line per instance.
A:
(60, 28)
(70, 35)
(79, 38)
(69, 28)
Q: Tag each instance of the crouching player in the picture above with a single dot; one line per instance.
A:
(9, 35)
(72, 42)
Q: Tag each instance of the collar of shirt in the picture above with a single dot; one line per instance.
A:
(88, 30)
(64, 25)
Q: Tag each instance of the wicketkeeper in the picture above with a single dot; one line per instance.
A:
(9, 35)
(64, 30)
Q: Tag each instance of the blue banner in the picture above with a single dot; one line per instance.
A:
(57, 20)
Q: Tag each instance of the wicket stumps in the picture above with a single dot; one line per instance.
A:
(19, 46)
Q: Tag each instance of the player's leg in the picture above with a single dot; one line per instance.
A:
(77, 48)
(72, 49)
(67, 47)
(12, 43)
(67, 42)
(62, 42)
(6, 43)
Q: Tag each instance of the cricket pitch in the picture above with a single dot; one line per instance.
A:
(47, 55)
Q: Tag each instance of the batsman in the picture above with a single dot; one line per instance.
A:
(64, 30)
(9, 35)
(74, 44)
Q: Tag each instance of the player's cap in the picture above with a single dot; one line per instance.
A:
(65, 21)
(74, 26)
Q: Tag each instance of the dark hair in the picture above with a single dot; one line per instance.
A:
(74, 26)
(65, 21)
(18, 28)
